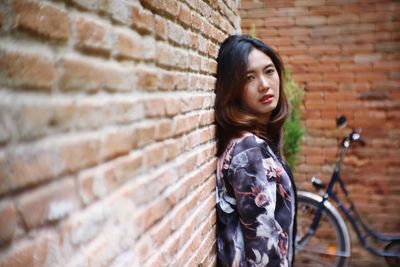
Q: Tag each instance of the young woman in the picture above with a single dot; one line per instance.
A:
(255, 189)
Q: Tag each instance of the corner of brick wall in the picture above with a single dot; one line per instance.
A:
(346, 56)
(106, 131)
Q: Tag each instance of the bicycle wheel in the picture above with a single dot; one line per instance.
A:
(330, 243)
(393, 246)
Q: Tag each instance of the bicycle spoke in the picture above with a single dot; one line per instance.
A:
(315, 260)
(324, 252)
(329, 245)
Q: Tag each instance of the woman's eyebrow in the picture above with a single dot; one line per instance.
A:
(265, 67)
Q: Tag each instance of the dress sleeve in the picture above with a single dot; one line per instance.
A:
(253, 180)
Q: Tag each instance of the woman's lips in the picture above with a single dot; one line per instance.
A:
(266, 99)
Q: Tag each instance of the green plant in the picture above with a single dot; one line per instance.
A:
(253, 30)
(293, 132)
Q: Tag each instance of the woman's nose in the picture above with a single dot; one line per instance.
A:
(264, 85)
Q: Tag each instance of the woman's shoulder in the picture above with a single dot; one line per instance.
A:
(247, 141)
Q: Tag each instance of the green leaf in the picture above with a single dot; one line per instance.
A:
(292, 129)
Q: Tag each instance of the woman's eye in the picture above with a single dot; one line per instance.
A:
(250, 78)
(269, 71)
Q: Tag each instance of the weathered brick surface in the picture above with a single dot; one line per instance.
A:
(8, 221)
(106, 131)
(345, 55)
(41, 18)
(26, 69)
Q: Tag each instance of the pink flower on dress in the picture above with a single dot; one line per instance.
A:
(261, 199)
(278, 170)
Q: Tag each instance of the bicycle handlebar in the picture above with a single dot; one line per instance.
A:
(354, 136)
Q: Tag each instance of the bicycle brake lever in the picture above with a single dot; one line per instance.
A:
(317, 183)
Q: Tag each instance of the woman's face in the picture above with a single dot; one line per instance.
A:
(261, 92)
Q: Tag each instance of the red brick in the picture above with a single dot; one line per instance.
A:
(307, 77)
(80, 228)
(8, 221)
(43, 19)
(76, 152)
(91, 114)
(293, 50)
(371, 76)
(172, 57)
(278, 21)
(26, 70)
(184, 14)
(289, 11)
(148, 79)
(252, 23)
(142, 19)
(118, 142)
(357, 49)
(212, 50)
(173, 106)
(33, 252)
(92, 35)
(172, 7)
(155, 107)
(89, 4)
(343, 19)
(173, 149)
(348, 96)
(355, 67)
(197, 22)
(325, 10)
(48, 203)
(34, 118)
(324, 49)
(145, 133)
(97, 182)
(117, 79)
(161, 27)
(375, 17)
(208, 31)
(339, 76)
(310, 20)
(312, 105)
(181, 81)
(277, 41)
(306, 3)
(387, 26)
(152, 213)
(118, 10)
(180, 124)
(388, 47)
(357, 28)
(177, 34)
(303, 59)
(323, 31)
(128, 45)
(1, 19)
(30, 166)
(325, 67)
(158, 5)
(79, 74)
(273, 32)
(163, 130)
(373, 37)
(364, 58)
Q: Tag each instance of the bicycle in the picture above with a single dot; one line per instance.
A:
(322, 237)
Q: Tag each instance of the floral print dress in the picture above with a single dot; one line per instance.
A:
(255, 206)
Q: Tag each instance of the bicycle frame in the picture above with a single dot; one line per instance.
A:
(362, 230)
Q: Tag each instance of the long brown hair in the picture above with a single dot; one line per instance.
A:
(231, 117)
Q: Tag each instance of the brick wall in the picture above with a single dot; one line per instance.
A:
(106, 131)
(346, 56)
